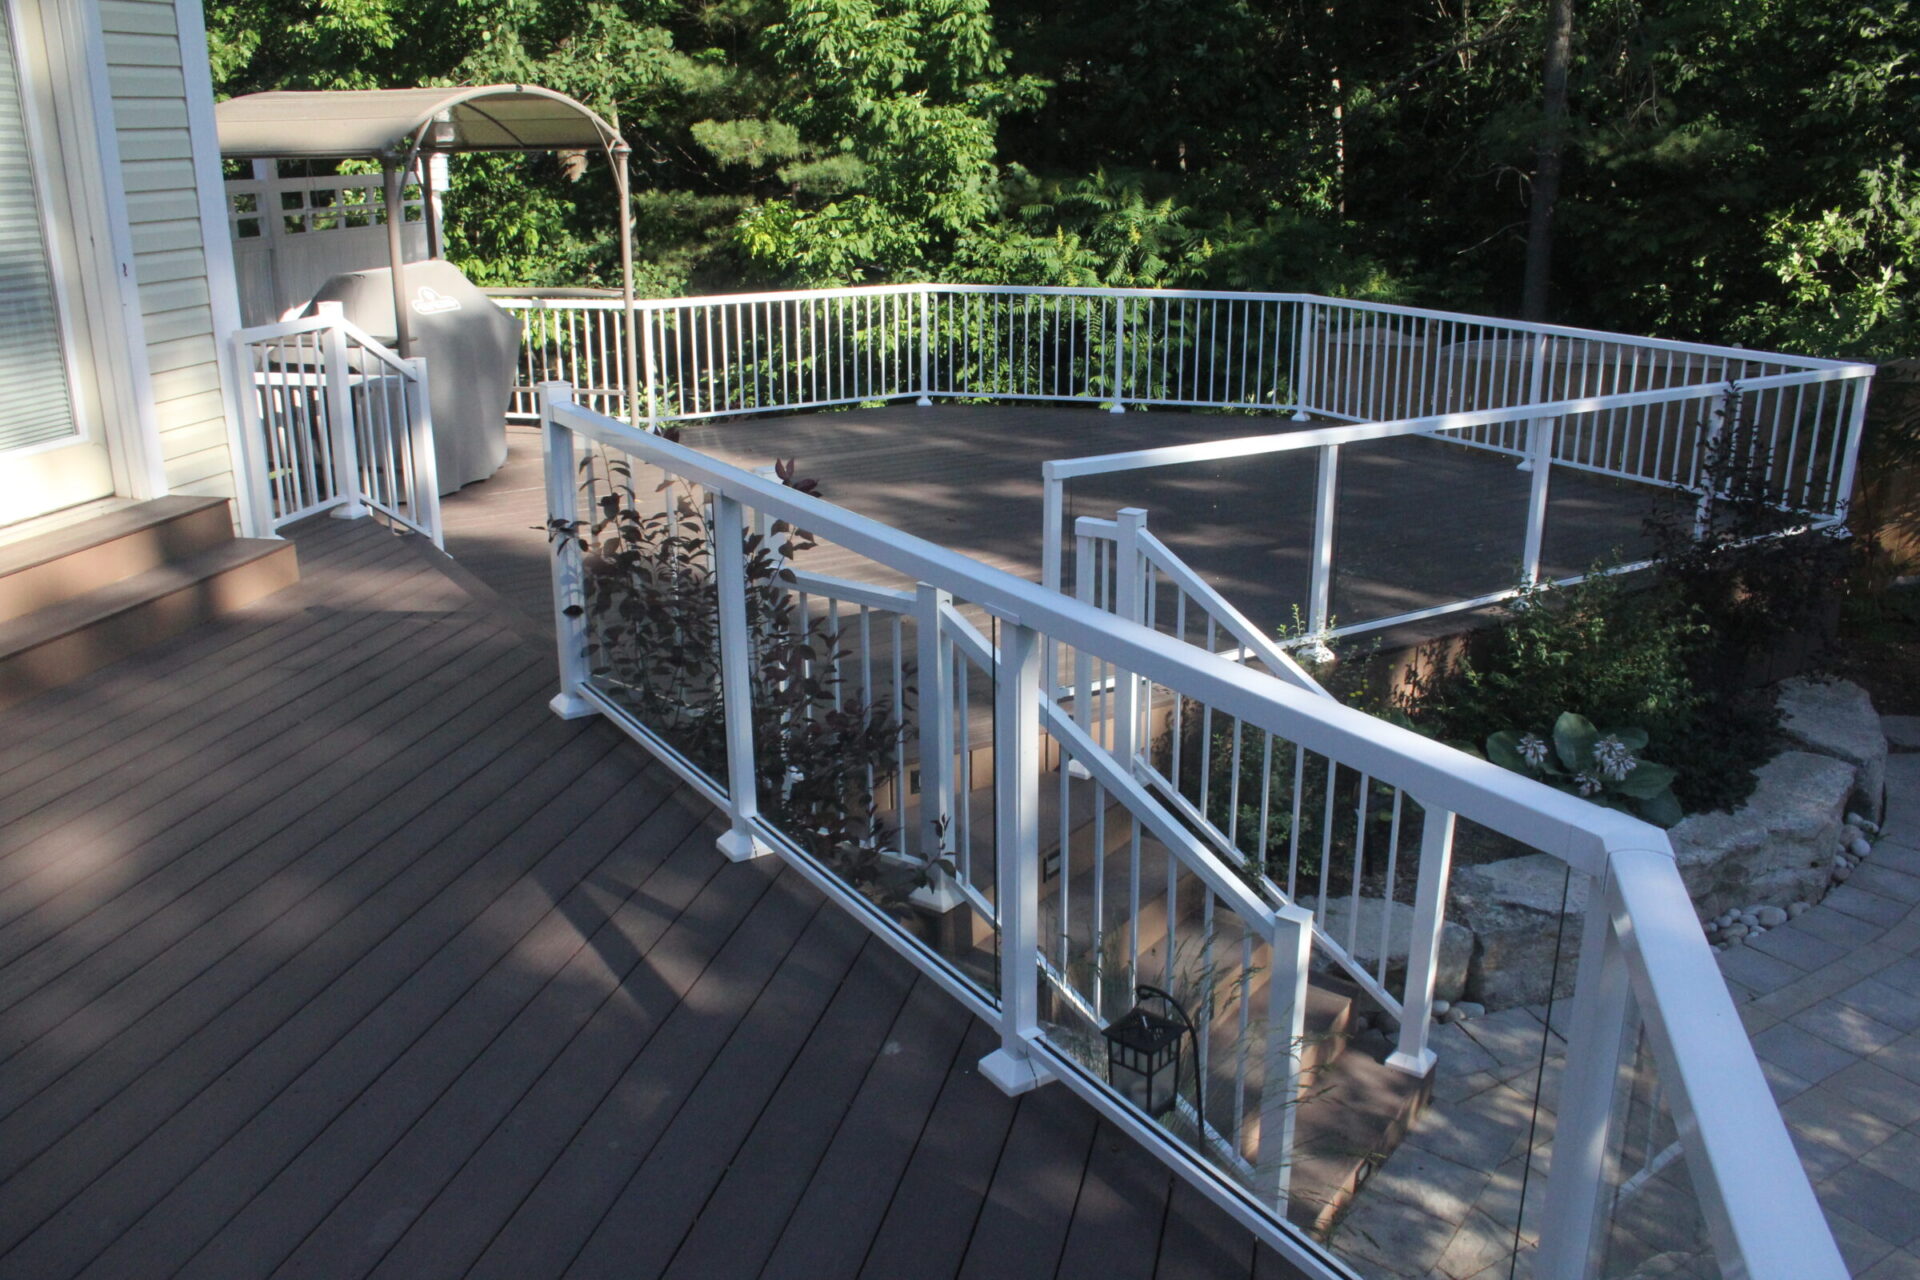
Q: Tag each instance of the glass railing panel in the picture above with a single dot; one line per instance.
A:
(1652, 1219)
(650, 603)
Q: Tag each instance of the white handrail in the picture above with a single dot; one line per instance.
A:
(1654, 919)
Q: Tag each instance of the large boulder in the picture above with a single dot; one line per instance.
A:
(1836, 718)
(1775, 849)
(1514, 908)
(1456, 943)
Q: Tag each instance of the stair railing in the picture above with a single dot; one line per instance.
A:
(1150, 896)
(335, 422)
(1258, 812)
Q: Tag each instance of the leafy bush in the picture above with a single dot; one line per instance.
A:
(651, 605)
(1616, 652)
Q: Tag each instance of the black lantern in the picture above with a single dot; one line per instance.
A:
(1143, 1053)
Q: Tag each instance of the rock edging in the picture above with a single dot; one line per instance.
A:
(1802, 830)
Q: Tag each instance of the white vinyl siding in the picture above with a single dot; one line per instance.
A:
(38, 405)
(144, 59)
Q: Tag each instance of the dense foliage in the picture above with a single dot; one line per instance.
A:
(1732, 169)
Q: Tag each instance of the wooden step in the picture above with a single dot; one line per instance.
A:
(1357, 1112)
(53, 645)
(64, 564)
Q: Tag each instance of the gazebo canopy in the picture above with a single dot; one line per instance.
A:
(396, 126)
(385, 123)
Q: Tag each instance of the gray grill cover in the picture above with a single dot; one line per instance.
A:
(471, 348)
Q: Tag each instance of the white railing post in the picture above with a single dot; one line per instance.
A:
(341, 423)
(1290, 950)
(926, 346)
(1130, 603)
(1016, 829)
(648, 367)
(256, 445)
(1596, 1039)
(1423, 948)
(1320, 589)
(1119, 354)
(736, 680)
(1540, 444)
(1850, 458)
(934, 655)
(1303, 382)
(569, 598)
(424, 502)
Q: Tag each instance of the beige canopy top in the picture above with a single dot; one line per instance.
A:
(377, 123)
(394, 126)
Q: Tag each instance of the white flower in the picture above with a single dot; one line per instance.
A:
(1613, 758)
(1532, 749)
(1589, 784)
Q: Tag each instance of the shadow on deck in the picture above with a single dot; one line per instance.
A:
(329, 951)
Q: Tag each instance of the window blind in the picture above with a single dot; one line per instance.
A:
(35, 402)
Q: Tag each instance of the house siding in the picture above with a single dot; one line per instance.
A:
(141, 40)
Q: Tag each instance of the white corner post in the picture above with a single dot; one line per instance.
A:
(1575, 1215)
(1119, 355)
(1536, 384)
(1016, 828)
(1850, 455)
(1129, 603)
(1412, 1055)
(569, 597)
(1291, 952)
(736, 681)
(256, 451)
(423, 473)
(926, 347)
(1320, 588)
(343, 432)
(1303, 380)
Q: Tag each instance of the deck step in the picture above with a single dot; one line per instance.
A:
(67, 563)
(61, 642)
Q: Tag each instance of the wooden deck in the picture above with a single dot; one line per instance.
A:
(328, 951)
(1419, 522)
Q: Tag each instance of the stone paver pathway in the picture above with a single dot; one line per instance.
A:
(1832, 1002)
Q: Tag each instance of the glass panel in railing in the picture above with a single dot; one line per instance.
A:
(1651, 1219)
(1445, 1173)
(1423, 523)
(651, 603)
(1611, 492)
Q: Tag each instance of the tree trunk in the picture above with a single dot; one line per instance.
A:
(1547, 161)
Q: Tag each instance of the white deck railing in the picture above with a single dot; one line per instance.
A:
(1034, 952)
(335, 422)
(1641, 410)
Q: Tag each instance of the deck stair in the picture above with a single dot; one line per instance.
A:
(77, 598)
(1355, 1109)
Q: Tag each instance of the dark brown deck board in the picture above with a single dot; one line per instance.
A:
(144, 843)
(1116, 1230)
(930, 1220)
(743, 1205)
(1022, 1228)
(847, 1193)
(353, 959)
(248, 887)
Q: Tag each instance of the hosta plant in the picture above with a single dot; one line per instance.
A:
(1603, 767)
